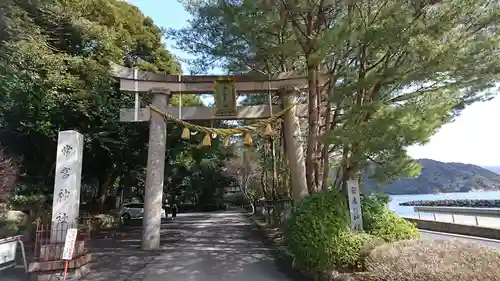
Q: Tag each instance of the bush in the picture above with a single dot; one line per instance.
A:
(12, 223)
(346, 250)
(9, 228)
(380, 221)
(106, 221)
(434, 260)
(319, 236)
(367, 248)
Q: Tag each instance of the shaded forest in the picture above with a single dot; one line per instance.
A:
(55, 59)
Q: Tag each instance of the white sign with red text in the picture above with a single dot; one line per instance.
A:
(69, 244)
(7, 251)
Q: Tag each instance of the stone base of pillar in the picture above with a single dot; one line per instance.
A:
(56, 275)
(49, 265)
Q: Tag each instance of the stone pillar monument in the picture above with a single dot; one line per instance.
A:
(65, 208)
(67, 183)
(355, 204)
(153, 197)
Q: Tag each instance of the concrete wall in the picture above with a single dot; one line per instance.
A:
(470, 230)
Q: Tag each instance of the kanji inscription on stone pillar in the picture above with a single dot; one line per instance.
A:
(355, 204)
(68, 177)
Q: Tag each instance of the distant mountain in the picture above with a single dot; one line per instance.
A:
(440, 177)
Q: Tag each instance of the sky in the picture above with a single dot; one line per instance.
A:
(472, 138)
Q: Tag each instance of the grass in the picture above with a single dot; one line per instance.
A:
(432, 260)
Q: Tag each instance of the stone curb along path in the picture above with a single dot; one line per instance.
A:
(275, 237)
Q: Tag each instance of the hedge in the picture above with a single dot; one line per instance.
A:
(318, 231)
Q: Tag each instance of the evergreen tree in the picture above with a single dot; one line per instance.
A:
(397, 70)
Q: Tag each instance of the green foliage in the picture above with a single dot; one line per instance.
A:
(373, 205)
(391, 227)
(9, 228)
(381, 222)
(12, 222)
(319, 236)
(346, 250)
(55, 75)
(20, 200)
(399, 70)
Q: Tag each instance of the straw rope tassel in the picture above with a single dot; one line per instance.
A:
(207, 140)
(226, 141)
(225, 132)
(248, 139)
(186, 134)
(268, 131)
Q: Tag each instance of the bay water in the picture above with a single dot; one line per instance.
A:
(407, 211)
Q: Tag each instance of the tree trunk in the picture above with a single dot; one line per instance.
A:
(325, 153)
(104, 185)
(294, 150)
(312, 130)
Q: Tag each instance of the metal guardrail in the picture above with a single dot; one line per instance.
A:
(463, 211)
(8, 252)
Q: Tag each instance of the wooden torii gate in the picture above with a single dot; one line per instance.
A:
(161, 86)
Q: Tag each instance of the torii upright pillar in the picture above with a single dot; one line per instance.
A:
(153, 193)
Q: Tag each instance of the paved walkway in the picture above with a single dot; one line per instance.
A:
(195, 247)
(213, 247)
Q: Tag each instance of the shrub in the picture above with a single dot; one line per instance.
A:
(319, 236)
(367, 248)
(346, 249)
(105, 221)
(380, 221)
(9, 228)
(434, 260)
(372, 206)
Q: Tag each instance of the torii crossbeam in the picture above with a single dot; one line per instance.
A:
(161, 86)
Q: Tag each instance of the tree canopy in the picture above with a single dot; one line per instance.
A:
(397, 70)
(55, 59)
